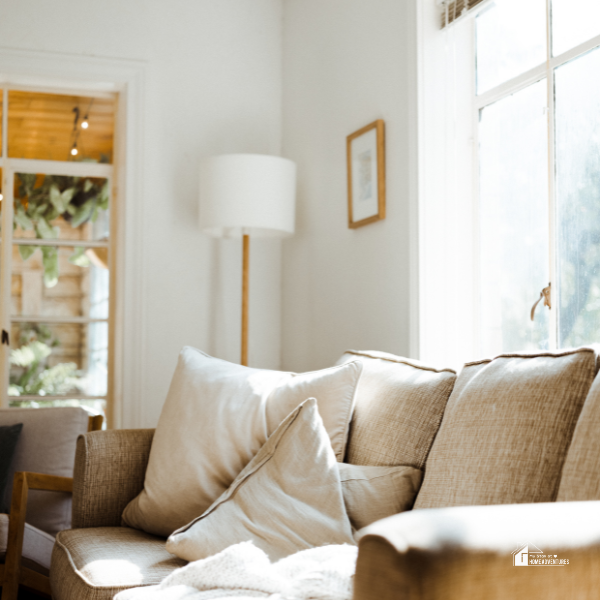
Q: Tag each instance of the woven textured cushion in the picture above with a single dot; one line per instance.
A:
(287, 499)
(216, 417)
(374, 493)
(46, 445)
(37, 546)
(507, 429)
(9, 436)
(96, 563)
(581, 472)
(399, 408)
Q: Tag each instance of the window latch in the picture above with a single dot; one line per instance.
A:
(546, 294)
(5, 337)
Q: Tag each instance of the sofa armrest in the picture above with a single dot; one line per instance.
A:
(110, 467)
(469, 553)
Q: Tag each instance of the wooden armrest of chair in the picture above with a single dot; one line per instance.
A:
(14, 573)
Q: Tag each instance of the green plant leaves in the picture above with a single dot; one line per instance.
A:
(79, 258)
(26, 356)
(59, 200)
(26, 251)
(44, 230)
(50, 262)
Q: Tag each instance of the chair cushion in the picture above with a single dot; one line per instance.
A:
(97, 562)
(46, 445)
(37, 546)
(507, 429)
(398, 410)
(581, 473)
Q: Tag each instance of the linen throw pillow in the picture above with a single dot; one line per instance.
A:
(216, 417)
(507, 429)
(374, 493)
(399, 408)
(580, 478)
(9, 436)
(287, 499)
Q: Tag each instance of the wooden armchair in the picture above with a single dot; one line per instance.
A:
(14, 572)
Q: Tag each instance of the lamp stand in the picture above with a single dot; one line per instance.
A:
(245, 290)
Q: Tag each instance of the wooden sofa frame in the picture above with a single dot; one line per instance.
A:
(12, 572)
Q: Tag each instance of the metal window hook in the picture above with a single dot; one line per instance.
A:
(546, 294)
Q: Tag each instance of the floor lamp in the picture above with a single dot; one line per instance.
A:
(243, 195)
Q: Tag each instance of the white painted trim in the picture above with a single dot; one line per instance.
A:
(67, 72)
(56, 167)
(53, 319)
(49, 398)
(59, 243)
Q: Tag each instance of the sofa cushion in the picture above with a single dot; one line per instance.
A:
(373, 493)
(216, 417)
(98, 562)
(37, 546)
(398, 410)
(507, 429)
(46, 445)
(581, 472)
(287, 499)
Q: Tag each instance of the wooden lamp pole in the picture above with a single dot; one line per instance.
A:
(245, 290)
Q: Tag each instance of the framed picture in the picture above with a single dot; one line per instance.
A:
(366, 175)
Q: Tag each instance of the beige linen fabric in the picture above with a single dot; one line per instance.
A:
(110, 467)
(581, 472)
(373, 493)
(466, 553)
(96, 563)
(216, 417)
(287, 499)
(507, 428)
(399, 408)
(46, 445)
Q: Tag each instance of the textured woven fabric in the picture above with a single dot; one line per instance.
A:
(467, 553)
(399, 408)
(373, 493)
(37, 545)
(215, 419)
(110, 467)
(507, 429)
(46, 445)
(96, 563)
(287, 499)
(581, 472)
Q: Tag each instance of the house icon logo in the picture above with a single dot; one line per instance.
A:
(521, 554)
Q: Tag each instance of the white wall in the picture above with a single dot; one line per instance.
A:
(346, 63)
(213, 85)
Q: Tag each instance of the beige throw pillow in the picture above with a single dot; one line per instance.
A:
(507, 429)
(288, 498)
(399, 408)
(581, 473)
(216, 417)
(374, 493)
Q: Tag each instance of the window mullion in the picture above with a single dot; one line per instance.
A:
(553, 313)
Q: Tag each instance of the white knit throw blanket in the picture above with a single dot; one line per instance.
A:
(244, 571)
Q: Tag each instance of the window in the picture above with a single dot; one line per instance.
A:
(538, 113)
(56, 292)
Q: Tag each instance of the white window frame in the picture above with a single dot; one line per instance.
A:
(545, 70)
(78, 75)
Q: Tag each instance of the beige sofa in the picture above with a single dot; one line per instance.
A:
(499, 445)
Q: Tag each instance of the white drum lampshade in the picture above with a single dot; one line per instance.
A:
(243, 195)
(249, 194)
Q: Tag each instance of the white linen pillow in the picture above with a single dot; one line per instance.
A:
(374, 493)
(287, 499)
(216, 417)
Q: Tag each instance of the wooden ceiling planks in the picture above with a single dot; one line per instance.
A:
(40, 126)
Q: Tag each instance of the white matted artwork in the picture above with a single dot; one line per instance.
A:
(366, 175)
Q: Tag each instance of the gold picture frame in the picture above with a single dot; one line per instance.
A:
(365, 150)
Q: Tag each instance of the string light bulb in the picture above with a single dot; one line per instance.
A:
(1, 197)
(74, 150)
(84, 123)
